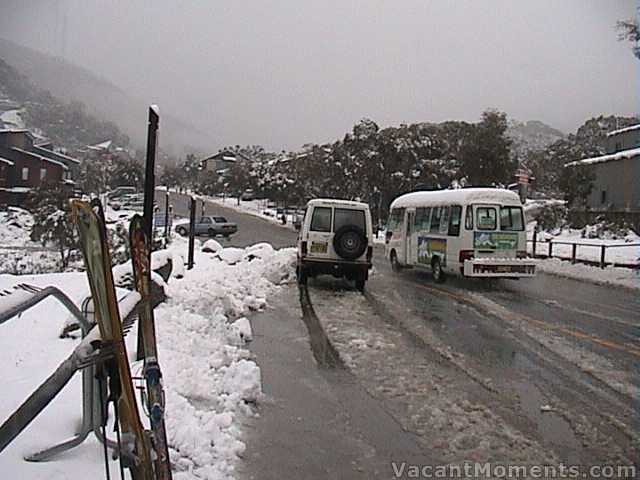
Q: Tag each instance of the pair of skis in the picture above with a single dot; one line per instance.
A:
(147, 456)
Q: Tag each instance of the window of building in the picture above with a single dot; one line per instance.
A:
(43, 173)
(25, 173)
(603, 197)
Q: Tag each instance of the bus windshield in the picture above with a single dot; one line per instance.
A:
(511, 219)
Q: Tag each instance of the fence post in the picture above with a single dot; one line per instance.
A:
(603, 249)
(166, 216)
(574, 247)
(535, 240)
(192, 227)
(550, 249)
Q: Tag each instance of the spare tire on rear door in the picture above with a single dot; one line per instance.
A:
(349, 242)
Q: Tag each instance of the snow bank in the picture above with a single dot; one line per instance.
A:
(210, 379)
(617, 276)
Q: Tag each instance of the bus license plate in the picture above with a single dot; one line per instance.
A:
(318, 247)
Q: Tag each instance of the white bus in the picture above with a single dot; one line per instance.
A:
(475, 232)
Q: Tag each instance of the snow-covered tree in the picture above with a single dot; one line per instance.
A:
(52, 223)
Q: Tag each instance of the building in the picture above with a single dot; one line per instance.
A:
(616, 186)
(25, 165)
(221, 162)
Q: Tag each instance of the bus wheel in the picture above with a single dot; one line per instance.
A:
(436, 268)
(393, 258)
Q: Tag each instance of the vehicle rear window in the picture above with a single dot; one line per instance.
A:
(219, 219)
(321, 219)
(511, 219)
(345, 216)
(454, 220)
(486, 218)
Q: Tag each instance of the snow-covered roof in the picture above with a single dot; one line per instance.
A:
(8, 162)
(57, 154)
(622, 155)
(459, 196)
(101, 146)
(41, 157)
(624, 130)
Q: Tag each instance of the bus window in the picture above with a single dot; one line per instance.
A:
(454, 221)
(435, 219)
(444, 220)
(468, 221)
(486, 218)
(511, 219)
(422, 218)
(321, 219)
(395, 219)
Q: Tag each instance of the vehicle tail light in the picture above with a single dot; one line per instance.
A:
(521, 254)
(465, 255)
(304, 248)
(387, 236)
(369, 253)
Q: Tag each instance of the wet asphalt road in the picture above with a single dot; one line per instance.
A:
(546, 341)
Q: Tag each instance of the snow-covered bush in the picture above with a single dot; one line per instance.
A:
(552, 217)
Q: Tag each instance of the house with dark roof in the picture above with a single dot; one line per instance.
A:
(25, 165)
(616, 186)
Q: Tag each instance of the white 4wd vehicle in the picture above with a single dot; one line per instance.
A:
(335, 238)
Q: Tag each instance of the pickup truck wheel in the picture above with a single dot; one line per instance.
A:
(360, 281)
(181, 231)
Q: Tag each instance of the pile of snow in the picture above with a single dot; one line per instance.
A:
(618, 276)
(211, 246)
(210, 379)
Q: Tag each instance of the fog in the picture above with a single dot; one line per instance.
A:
(285, 73)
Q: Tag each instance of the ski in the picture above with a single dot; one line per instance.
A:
(135, 453)
(141, 258)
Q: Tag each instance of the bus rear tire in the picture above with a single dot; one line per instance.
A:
(436, 269)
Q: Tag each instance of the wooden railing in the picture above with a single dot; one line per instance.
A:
(544, 249)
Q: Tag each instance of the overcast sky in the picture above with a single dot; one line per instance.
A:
(286, 72)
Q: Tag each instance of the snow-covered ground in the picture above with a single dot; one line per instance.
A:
(210, 378)
(616, 276)
(624, 250)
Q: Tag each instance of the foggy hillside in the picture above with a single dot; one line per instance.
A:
(102, 99)
(531, 136)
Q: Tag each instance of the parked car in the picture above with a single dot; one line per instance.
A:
(335, 238)
(121, 191)
(211, 226)
(247, 195)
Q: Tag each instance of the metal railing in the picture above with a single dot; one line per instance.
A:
(547, 251)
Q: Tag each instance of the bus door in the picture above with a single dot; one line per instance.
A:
(408, 237)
